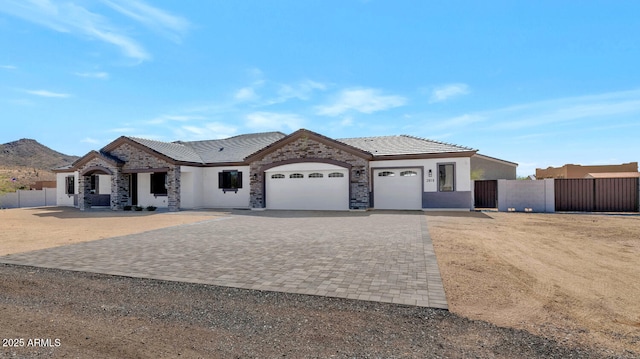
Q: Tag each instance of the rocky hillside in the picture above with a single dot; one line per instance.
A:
(30, 153)
(26, 161)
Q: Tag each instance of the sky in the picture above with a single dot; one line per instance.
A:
(539, 83)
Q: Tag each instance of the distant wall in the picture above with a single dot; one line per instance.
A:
(25, 198)
(539, 196)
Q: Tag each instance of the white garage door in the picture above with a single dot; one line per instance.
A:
(397, 188)
(308, 186)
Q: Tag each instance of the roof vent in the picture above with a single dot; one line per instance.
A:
(221, 148)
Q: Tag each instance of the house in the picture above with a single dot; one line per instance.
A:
(301, 171)
(579, 171)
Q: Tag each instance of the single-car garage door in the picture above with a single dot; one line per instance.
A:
(397, 188)
(307, 186)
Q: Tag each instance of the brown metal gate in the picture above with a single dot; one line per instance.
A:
(597, 194)
(485, 194)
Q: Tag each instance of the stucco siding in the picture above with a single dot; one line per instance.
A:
(145, 197)
(62, 198)
(462, 170)
(215, 197)
(483, 168)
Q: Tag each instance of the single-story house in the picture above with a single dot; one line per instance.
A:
(301, 171)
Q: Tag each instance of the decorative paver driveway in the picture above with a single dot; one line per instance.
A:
(377, 256)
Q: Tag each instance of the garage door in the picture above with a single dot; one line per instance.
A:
(307, 186)
(397, 188)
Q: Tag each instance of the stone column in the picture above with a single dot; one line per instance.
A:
(84, 192)
(119, 190)
(173, 188)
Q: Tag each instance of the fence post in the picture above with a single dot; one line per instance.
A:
(549, 195)
(502, 195)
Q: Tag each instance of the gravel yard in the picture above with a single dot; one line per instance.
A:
(100, 316)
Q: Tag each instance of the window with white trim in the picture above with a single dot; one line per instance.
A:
(296, 175)
(408, 173)
(277, 176)
(70, 185)
(446, 177)
(316, 175)
(386, 174)
(336, 174)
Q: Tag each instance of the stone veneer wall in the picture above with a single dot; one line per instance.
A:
(136, 159)
(308, 149)
(84, 184)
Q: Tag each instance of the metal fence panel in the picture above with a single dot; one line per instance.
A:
(485, 194)
(597, 194)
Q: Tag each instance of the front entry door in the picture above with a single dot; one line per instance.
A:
(133, 189)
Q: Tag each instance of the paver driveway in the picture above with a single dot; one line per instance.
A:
(378, 256)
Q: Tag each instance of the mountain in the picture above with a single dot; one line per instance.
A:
(26, 161)
(30, 153)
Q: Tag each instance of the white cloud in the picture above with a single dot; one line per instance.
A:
(159, 20)
(541, 113)
(93, 75)
(446, 92)
(8, 67)
(457, 122)
(45, 93)
(362, 100)
(122, 130)
(271, 121)
(168, 118)
(301, 90)
(246, 94)
(67, 17)
(90, 140)
(212, 130)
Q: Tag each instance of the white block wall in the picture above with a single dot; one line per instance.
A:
(520, 195)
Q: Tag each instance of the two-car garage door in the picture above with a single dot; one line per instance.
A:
(309, 185)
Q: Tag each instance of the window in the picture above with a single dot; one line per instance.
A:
(446, 175)
(230, 180)
(70, 185)
(296, 175)
(408, 173)
(315, 175)
(159, 183)
(386, 174)
(277, 176)
(336, 174)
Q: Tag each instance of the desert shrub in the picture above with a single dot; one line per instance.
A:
(151, 208)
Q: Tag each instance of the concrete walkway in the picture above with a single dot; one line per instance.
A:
(376, 256)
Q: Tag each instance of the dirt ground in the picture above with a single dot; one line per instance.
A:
(571, 280)
(573, 277)
(28, 229)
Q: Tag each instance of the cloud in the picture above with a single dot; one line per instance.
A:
(67, 17)
(557, 111)
(246, 94)
(458, 121)
(93, 75)
(45, 93)
(446, 92)
(301, 90)
(271, 121)
(90, 140)
(179, 118)
(362, 100)
(8, 67)
(212, 130)
(156, 19)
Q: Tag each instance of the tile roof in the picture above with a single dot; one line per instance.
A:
(174, 150)
(237, 148)
(401, 145)
(233, 149)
